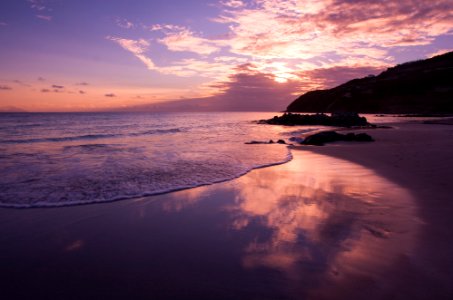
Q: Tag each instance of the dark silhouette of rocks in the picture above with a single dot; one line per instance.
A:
(319, 139)
(424, 86)
(335, 119)
(11, 109)
(270, 142)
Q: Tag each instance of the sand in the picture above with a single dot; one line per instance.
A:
(343, 221)
(418, 157)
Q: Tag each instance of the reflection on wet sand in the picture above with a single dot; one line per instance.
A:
(330, 220)
(328, 225)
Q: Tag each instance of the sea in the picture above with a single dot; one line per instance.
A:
(59, 159)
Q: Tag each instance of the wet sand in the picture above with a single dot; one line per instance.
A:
(344, 221)
(418, 157)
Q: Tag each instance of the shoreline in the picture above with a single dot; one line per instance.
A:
(312, 228)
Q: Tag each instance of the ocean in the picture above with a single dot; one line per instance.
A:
(58, 159)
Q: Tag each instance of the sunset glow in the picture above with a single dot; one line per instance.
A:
(61, 55)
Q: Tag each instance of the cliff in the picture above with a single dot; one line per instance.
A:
(424, 86)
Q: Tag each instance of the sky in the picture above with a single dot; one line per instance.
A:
(227, 55)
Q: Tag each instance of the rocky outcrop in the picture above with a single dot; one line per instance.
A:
(319, 139)
(269, 142)
(424, 86)
(335, 119)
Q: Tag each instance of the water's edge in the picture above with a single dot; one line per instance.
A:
(144, 194)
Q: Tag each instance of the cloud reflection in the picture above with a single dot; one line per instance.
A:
(327, 218)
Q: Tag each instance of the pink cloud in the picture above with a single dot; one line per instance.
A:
(178, 38)
(294, 46)
(439, 52)
(232, 3)
(217, 69)
(37, 5)
(124, 23)
(331, 77)
(136, 47)
(245, 90)
(314, 28)
(43, 17)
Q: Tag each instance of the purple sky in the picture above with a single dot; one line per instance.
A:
(62, 55)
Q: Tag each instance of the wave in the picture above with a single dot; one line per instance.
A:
(44, 204)
(156, 131)
(89, 137)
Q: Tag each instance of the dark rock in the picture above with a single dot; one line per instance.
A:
(319, 139)
(254, 142)
(363, 137)
(335, 119)
(269, 142)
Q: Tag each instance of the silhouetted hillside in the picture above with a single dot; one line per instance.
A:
(424, 86)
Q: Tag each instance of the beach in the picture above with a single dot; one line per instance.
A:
(342, 221)
(416, 156)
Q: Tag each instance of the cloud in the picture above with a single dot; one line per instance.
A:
(41, 9)
(82, 83)
(295, 29)
(110, 95)
(5, 88)
(136, 47)
(21, 83)
(82, 92)
(278, 35)
(330, 77)
(124, 23)
(3, 24)
(55, 89)
(166, 27)
(293, 46)
(249, 90)
(232, 3)
(195, 67)
(44, 17)
(438, 52)
(245, 90)
(218, 69)
(181, 39)
(38, 5)
(41, 79)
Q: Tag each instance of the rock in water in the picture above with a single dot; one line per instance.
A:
(335, 119)
(319, 139)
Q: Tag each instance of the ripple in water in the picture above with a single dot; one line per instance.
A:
(126, 155)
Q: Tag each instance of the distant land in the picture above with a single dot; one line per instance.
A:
(11, 109)
(424, 86)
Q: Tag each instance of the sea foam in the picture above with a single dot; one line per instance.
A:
(125, 156)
